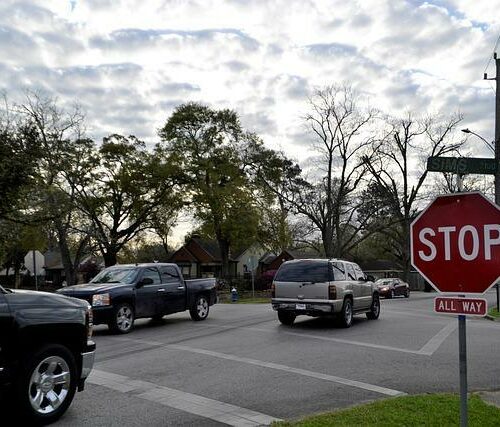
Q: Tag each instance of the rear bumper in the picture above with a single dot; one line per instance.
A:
(312, 308)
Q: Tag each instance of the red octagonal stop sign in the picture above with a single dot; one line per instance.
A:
(455, 243)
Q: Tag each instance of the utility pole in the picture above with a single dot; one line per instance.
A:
(497, 142)
(497, 126)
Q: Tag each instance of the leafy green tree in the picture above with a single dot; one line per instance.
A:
(210, 151)
(119, 188)
(18, 157)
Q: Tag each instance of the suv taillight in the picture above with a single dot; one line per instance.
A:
(273, 290)
(332, 292)
(89, 322)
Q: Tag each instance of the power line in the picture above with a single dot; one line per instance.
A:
(494, 50)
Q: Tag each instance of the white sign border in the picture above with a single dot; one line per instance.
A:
(468, 294)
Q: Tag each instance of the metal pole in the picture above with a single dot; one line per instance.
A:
(253, 284)
(34, 271)
(497, 130)
(462, 349)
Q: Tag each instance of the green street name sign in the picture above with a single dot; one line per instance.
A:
(462, 165)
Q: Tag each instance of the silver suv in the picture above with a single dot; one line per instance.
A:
(321, 287)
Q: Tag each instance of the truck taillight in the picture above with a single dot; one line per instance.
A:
(89, 322)
(273, 290)
(332, 292)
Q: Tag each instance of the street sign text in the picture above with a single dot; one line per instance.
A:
(467, 306)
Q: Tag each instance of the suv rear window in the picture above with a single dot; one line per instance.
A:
(305, 271)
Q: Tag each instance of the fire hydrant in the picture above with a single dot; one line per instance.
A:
(234, 295)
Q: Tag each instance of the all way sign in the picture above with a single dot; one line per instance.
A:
(468, 306)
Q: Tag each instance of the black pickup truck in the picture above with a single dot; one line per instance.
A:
(46, 353)
(122, 293)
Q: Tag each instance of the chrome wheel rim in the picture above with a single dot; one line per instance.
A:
(49, 385)
(202, 307)
(124, 318)
(376, 307)
(348, 313)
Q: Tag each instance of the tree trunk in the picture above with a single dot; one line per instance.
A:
(328, 244)
(110, 257)
(406, 259)
(67, 263)
(224, 254)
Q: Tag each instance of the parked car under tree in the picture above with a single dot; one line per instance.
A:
(122, 293)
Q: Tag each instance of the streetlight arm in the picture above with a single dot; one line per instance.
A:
(489, 144)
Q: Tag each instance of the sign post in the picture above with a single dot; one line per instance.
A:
(455, 246)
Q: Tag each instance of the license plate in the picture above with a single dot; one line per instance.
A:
(300, 306)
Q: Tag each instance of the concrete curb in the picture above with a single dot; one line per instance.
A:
(493, 319)
(491, 397)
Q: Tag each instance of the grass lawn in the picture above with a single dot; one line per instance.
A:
(422, 410)
(493, 312)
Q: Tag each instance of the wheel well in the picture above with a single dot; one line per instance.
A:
(73, 337)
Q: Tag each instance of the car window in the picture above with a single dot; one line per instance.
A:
(338, 271)
(152, 273)
(116, 274)
(169, 274)
(350, 272)
(303, 271)
(359, 273)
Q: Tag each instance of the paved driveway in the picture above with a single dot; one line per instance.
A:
(241, 367)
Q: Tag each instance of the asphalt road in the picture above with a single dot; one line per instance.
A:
(241, 367)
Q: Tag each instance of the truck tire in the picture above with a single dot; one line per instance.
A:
(286, 317)
(374, 312)
(123, 318)
(199, 310)
(346, 314)
(46, 385)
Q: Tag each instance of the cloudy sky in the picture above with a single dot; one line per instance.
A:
(129, 63)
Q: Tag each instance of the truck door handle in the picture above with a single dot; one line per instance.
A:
(161, 290)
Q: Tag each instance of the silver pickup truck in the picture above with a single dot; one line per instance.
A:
(322, 287)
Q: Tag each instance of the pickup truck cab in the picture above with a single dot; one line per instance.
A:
(46, 353)
(323, 287)
(122, 293)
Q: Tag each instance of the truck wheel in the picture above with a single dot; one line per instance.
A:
(346, 314)
(286, 317)
(46, 384)
(199, 311)
(123, 319)
(374, 308)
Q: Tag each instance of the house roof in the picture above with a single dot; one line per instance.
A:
(199, 250)
(267, 258)
(380, 265)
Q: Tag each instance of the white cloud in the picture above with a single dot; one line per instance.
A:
(130, 62)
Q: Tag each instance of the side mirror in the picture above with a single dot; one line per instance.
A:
(145, 281)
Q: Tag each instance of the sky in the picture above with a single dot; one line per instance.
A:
(129, 63)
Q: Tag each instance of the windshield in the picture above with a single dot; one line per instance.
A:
(116, 275)
(383, 282)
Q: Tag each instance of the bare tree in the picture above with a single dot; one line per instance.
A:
(341, 130)
(398, 173)
(59, 137)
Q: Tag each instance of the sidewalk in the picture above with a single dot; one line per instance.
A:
(491, 397)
